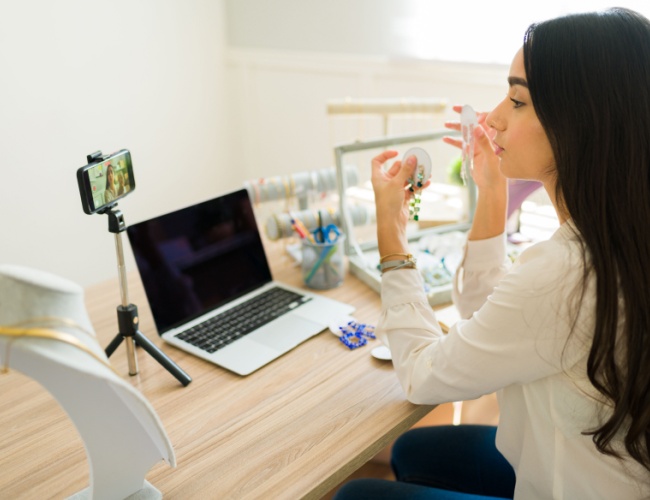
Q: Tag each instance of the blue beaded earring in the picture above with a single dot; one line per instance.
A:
(355, 334)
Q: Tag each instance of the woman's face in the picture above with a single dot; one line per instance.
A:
(110, 174)
(520, 141)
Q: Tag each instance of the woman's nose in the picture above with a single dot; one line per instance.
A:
(494, 119)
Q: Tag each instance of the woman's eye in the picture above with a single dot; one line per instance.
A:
(517, 104)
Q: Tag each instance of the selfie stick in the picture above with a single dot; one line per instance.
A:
(127, 314)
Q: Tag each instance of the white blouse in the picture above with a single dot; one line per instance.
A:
(522, 340)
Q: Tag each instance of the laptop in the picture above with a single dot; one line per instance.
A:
(210, 289)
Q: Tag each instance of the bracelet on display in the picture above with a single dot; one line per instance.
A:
(393, 265)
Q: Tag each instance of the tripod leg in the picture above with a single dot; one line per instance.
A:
(162, 358)
(115, 343)
(130, 350)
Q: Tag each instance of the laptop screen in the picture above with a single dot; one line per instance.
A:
(198, 258)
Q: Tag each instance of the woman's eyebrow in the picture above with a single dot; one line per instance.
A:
(515, 80)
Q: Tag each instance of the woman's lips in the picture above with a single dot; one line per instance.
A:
(497, 149)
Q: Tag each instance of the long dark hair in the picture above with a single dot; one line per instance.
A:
(589, 81)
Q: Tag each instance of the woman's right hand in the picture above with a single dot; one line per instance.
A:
(490, 214)
(485, 172)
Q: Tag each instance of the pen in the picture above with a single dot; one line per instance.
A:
(300, 227)
(321, 233)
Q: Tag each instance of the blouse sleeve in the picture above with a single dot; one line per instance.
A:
(483, 265)
(518, 335)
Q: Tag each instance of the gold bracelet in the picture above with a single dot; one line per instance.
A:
(287, 189)
(394, 265)
(256, 192)
(407, 256)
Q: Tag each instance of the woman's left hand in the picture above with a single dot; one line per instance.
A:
(391, 195)
(392, 200)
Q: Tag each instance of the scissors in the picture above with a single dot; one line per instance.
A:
(327, 234)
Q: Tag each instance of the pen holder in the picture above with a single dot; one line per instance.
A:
(323, 264)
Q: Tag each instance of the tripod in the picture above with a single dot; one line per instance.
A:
(127, 314)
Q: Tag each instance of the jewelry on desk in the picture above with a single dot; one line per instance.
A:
(52, 322)
(288, 191)
(353, 334)
(18, 331)
(256, 193)
(276, 190)
(352, 341)
(292, 188)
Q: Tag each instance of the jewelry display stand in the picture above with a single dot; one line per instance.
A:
(362, 256)
(300, 185)
(46, 335)
(386, 108)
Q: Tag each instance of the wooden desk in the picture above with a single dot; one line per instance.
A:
(294, 429)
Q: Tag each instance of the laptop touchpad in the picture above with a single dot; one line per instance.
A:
(286, 332)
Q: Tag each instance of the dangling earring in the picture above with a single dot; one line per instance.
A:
(420, 176)
(416, 196)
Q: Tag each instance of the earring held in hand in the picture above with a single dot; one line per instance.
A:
(417, 180)
(468, 122)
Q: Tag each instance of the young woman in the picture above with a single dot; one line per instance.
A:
(564, 334)
(110, 194)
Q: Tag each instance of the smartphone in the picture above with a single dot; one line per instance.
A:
(103, 182)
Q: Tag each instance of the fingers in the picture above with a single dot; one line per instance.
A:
(392, 171)
(397, 169)
(457, 143)
(379, 160)
(402, 171)
(382, 157)
(481, 117)
(452, 125)
(482, 140)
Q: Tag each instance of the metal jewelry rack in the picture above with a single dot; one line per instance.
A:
(356, 252)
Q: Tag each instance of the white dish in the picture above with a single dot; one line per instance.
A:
(381, 352)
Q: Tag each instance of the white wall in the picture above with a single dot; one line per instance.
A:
(287, 58)
(78, 76)
(200, 116)
(281, 99)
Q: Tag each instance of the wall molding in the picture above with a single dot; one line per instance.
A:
(349, 65)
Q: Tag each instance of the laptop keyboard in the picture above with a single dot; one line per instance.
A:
(222, 329)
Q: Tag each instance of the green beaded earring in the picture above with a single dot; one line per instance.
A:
(420, 176)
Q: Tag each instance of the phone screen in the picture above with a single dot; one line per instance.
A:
(105, 182)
